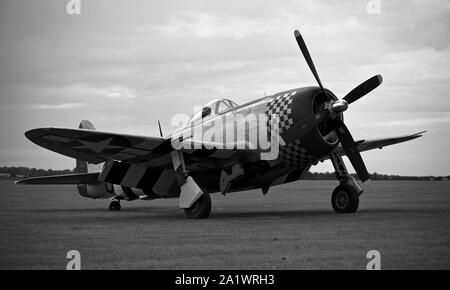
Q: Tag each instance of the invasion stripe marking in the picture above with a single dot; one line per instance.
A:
(106, 170)
(164, 182)
(149, 178)
(160, 161)
(139, 192)
(117, 172)
(129, 193)
(134, 175)
(177, 163)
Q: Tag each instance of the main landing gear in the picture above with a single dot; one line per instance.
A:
(195, 201)
(115, 205)
(345, 197)
(200, 209)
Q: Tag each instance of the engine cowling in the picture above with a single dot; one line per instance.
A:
(319, 141)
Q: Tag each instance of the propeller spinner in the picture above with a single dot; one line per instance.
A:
(344, 136)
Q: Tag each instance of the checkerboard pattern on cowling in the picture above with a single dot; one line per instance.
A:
(295, 155)
(280, 106)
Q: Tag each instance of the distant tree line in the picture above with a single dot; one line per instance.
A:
(373, 176)
(25, 172)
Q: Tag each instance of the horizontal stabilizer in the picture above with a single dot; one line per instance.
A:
(78, 178)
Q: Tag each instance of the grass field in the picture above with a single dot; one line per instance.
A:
(293, 227)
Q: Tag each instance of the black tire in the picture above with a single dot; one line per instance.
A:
(345, 199)
(200, 209)
(115, 205)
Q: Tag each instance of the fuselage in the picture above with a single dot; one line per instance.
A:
(248, 128)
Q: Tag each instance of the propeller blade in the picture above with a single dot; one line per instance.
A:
(351, 150)
(363, 89)
(305, 125)
(307, 56)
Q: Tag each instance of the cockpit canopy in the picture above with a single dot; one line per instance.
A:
(214, 108)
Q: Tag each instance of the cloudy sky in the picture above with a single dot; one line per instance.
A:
(125, 64)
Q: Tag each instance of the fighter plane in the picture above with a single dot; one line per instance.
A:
(308, 121)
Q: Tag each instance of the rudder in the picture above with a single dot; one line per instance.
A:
(85, 167)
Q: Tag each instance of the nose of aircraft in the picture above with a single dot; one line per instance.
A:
(302, 127)
(306, 109)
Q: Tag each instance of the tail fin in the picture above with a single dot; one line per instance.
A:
(83, 166)
(85, 124)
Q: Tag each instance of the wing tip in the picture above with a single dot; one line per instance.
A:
(417, 135)
(380, 79)
(421, 133)
(34, 134)
(21, 181)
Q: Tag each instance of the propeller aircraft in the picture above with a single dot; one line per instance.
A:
(308, 121)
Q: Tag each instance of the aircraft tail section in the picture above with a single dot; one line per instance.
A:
(88, 181)
(94, 188)
(83, 166)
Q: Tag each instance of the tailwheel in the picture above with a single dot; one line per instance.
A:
(345, 199)
(200, 209)
(115, 205)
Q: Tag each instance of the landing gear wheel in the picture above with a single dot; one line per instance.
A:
(345, 199)
(200, 209)
(114, 205)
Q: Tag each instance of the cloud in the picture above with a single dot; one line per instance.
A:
(92, 91)
(201, 25)
(188, 24)
(62, 106)
(148, 60)
(117, 92)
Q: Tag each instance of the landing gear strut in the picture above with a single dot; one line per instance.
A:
(195, 201)
(114, 205)
(345, 197)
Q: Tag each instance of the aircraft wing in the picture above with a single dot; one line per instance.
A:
(77, 178)
(365, 145)
(96, 146)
